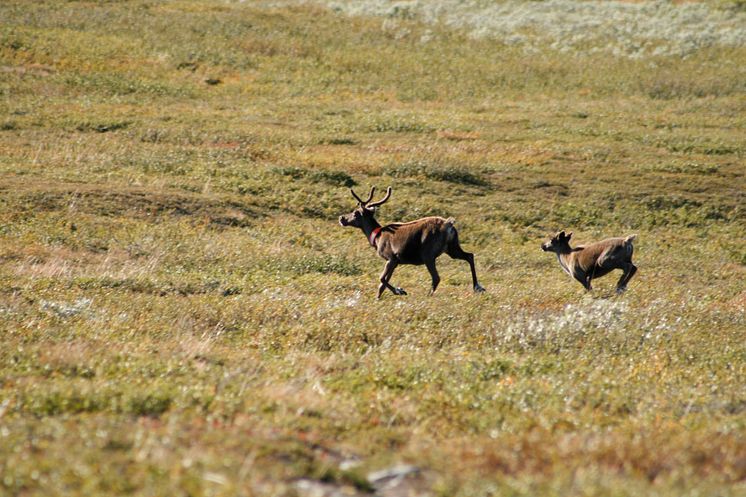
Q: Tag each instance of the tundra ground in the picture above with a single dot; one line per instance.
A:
(182, 315)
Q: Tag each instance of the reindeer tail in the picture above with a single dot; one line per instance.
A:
(450, 228)
(628, 244)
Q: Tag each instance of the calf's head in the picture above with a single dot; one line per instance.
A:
(559, 243)
(365, 209)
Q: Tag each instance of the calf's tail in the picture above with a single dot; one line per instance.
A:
(628, 244)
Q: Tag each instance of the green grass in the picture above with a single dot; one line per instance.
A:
(182, 315)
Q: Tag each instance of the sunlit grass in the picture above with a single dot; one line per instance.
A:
(182, 314)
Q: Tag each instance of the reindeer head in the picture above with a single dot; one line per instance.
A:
(365, 209)
(559, 243)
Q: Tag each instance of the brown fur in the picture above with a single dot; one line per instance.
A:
(587, 262)
(416, 242)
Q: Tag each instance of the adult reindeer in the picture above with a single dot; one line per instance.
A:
(416, 242)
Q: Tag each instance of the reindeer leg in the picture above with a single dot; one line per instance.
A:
(629, 271)
(388, 270)
(586, 282)
(433, 274)
(455, 251)
(584, 279)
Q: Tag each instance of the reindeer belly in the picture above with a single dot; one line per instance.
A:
(599, 271)
(410, 254)
(418, 252)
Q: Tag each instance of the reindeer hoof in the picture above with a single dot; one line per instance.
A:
(479, 289)
(621, 290)
(399, 291)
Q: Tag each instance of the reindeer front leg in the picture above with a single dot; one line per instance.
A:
(584, 279)
(388, 270)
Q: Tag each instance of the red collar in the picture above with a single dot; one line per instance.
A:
(374, 235)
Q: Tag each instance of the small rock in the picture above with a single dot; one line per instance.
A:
(349, 463)
(65, 310)
(391, 475)
(312, 488)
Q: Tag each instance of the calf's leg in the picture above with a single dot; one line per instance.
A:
(629, 271)
(585, 280)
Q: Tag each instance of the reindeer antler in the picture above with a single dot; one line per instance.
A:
(370, 196)
(383, 200)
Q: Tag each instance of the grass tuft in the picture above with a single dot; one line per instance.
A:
(436, 172)
(182, 314)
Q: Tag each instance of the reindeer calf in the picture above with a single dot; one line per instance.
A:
(586, 262)
(417, 242)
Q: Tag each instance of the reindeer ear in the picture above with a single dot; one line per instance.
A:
(568, 236)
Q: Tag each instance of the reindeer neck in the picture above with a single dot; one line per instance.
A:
(369, 224)
(565, 259)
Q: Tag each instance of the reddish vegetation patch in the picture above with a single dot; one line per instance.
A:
(543, 452)
(457, 135)
(738, 302)
(226, 145)
(33, 69)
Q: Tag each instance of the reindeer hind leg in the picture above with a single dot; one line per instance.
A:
(455, 251)
(629, 271)
(433, 274)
